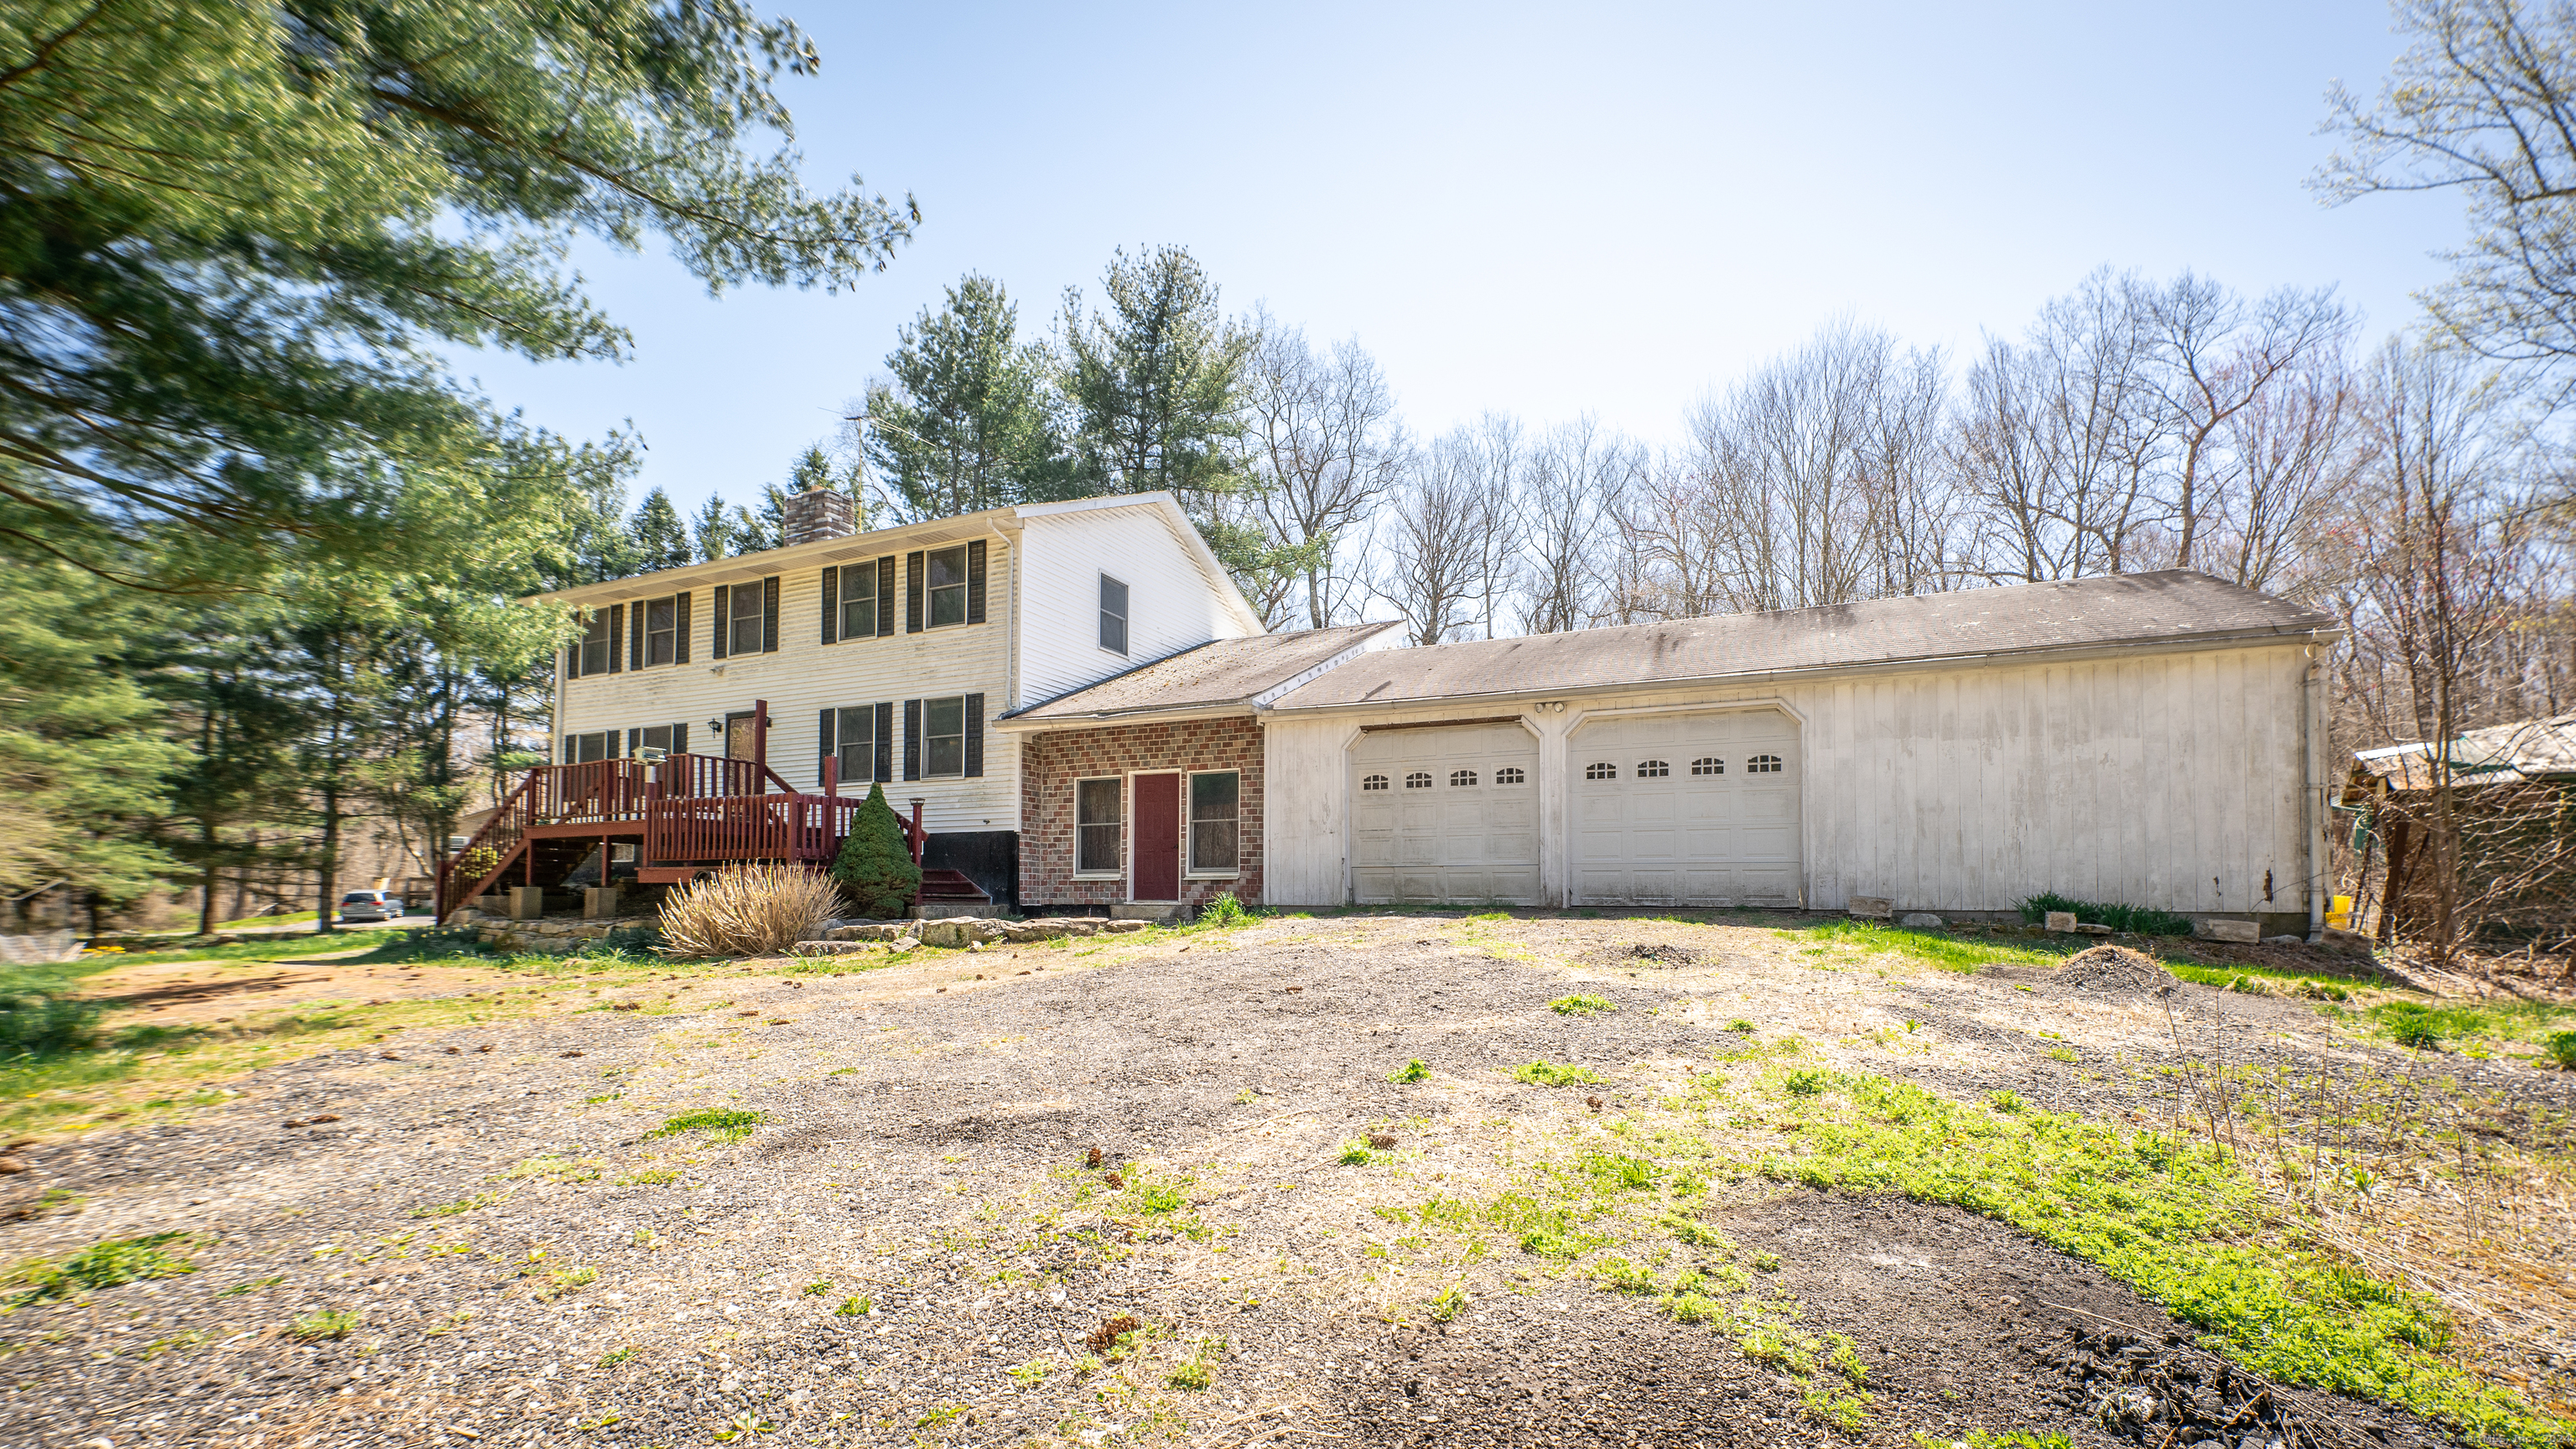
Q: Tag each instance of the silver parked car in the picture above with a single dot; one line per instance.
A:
(371, 906)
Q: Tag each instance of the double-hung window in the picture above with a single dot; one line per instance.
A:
(858, 594)
(943, 736)
(655, 737)
(581, 749)
(1215, 818)
(1098, 808)
(596, 643)
(947, 586)
(1113, 615)
(661, 630)
(743, 630)
(857, 744)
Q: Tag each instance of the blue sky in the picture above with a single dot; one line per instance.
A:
(1605, 209)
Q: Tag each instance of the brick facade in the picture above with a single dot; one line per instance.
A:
(1050, 763)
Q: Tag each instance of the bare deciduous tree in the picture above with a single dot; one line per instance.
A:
(1571, 488)
(1325, 448)
(1446, 544)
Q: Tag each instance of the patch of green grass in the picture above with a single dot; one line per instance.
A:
(324, 1323)
(1198, 1372)
(1582, 1005)
(725, 1124)
(2171, 1219)
(1032, 1373)
(616, 1356)
(854, 1306)
(2560, 1046)
(1837, 1409)
(1806, 1082)
(1412, 1071)
(38, 1025)
(649, 1177)
(461, 1205)
(111, 1263)
(1946, 952)
(2135, 919)
(1451, 1302)
(252, 1286)
(1355, 1154)
(1552, 1074)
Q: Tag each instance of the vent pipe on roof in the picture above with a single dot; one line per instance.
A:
(817, 514)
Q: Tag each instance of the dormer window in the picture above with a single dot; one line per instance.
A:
(1113, 615)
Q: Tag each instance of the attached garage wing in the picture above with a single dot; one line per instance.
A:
(1695, 809)
(1445, 814)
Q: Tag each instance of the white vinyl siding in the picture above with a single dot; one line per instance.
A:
(1171, 605)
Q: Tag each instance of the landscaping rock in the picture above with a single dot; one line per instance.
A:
(1921, 920)
(1874, 908)
(960, 931)
(2091, 928)
(867, 930)
(2244, 933)
(2061, 920)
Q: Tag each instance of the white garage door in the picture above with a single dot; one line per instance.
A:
(1446, 814)
(1686, 810)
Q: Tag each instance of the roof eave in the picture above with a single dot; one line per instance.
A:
(2166, 643)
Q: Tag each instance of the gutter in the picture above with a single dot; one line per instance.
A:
(1757, 677)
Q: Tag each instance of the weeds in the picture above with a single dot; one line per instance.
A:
(324, 1323)
(38, 1025)
(855, 1306)
(2133, 919)
(1448, 1305)
(1582, 1005)
(1412, 1071)
(725, 1124)
(1551, 1074)
(108, 1264)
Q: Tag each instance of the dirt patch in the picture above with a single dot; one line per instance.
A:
(1649, 953)
(173, 993)
(2114, 970)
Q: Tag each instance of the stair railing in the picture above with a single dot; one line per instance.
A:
(502, 835)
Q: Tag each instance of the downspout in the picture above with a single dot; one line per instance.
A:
(2312, 731)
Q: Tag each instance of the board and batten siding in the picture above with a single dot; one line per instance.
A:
(2171, 780)
(1171, 604)
(806, 675)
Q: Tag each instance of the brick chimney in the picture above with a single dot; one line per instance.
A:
(817, 514)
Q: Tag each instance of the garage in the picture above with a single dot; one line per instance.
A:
(1696, 809)
(1445, 813)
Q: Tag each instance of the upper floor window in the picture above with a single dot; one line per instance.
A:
(743, 629)
(947, 586)
(858, 601)
(1097, 808)
(1113, 615)
(596, 642)
(661, 630)
(1762, 765)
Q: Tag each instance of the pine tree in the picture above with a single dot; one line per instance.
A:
(661, 540)
(236, 239)
(713, 531)
(875, 866)
(968, 419)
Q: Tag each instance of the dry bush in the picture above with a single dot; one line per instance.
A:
(747, 910)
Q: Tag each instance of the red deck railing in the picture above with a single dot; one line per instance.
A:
(748, 827)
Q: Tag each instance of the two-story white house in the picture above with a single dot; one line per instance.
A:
(886, 654)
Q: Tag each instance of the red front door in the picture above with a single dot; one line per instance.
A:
(1158, 838)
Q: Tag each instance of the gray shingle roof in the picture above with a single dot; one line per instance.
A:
(2507, 754)
(2176, 606)
(1226, 671)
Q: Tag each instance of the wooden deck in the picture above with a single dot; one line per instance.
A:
(685, 812)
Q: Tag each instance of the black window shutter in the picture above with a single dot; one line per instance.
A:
(680, 635)
(680, 731)
(635, 641)
(572, 660)
(608, 744)
(616, 636)
(974, 734)
(723, 613)
(634, 742)
(571, 750)
(769, 615)
(912, 585)
(884, 762)
(831, 717)
(974, 589)
(912, 739)
(831, 605)
(885, 598)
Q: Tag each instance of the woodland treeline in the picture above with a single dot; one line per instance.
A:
(261, 542)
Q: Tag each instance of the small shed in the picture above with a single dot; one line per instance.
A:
(2512, 814)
